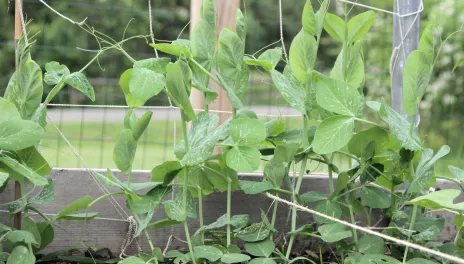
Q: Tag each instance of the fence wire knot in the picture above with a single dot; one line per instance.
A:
(130, 237)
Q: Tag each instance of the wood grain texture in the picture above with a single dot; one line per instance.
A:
(73, 184)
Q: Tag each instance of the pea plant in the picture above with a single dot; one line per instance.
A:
(22, 126)
(390, 168)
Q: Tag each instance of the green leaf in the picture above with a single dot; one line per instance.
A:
(207, 252)
(354, 71)
(342, 181)
(311, 197)
(457, 173)
(145, 83)
(274, 127)
(178, 79)
(231, 69)
(25, 88)
(458, 63)
(237, 221)
(247, 132)
(23, 170)
(55, 72)
(268, 60)
(260, 249)
(175, 208)
(174, 49)
(166, 172)
(262, 261)
(46, 195)
(19, 134)
(399, 128)
(253, 233)
(20, 236)
(378, 259)
(425, 177)
(132, 260)
(335, 26)
(320, 16)
(431, 233)
(141, 124)
(124, 82)
(47, 234)
(21, 254)
(331, 233)
(275, 172)
(375, 198)
(328, 207)
(427, 43)
(8, 110)
(360, 141)
(208, 13)
(338, 97)
(32, 158)
(29, 225)
(203, 48)
(359, 25)
(302, 56)
(254, 187)
(240, 24)
(370, 244)
(243, 158)
(163, 223)
(3, 178)
(157, 65)
(333, 134)
(290, 92)
(439, 200)
(416, 78)
(203, 140)
(124, 150)
(420, 261)
(234, 258)
(80, 216)
(77, 205)
(78, 81)
(309, 19)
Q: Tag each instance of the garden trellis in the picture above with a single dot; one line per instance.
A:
(398, 51)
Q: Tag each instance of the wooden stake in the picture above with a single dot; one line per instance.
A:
(226, 11)
(17, 36)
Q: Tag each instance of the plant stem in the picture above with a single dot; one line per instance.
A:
(145, 232)
(370, 122)
(185, 188)
(411, 227)
(40, 214)
(200, 212)
(23, 194)
(103, 197)
(329, 167)
(229, 194)
(274, 215)
(355, 234)
(215, 79)
(129, 178)
(229, 205)
(298, 184)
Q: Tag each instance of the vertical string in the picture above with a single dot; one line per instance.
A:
(282, 30)
(23, 24)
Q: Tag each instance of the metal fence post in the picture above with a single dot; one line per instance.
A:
(406, 29)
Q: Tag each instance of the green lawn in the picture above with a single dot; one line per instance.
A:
(95, 142)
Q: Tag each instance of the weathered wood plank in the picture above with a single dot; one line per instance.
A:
(72, 184)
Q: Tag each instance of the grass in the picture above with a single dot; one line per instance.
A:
(95, 143)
